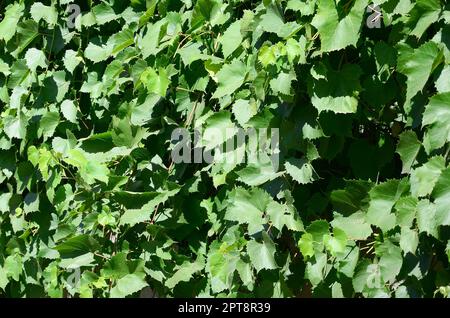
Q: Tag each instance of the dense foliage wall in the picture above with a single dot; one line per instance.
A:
(93, 204)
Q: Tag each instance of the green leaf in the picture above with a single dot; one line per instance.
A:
(103, 13)
(273, 21)
(184, 272)
(425, 177)
(335, 91)
(282, 83)
(417, 65)
(8, 25)
(155, 82)
(71, 60)
(424, 13)
(47, 13)
(354, 226)
(436, 118)
(306, 245)
(409, 240)
(135, 216)
(441, 195)
(390, 260)
(382, 200)
(13, 266)
(262, 255)
(248, 207)
(230, 78)
(151, 39)
(218, 129)
(79, 261)
(48, 124)
(448, 249)
(124, 134)
(69, 111)
(318, 229)
(255, 174)
(116, 267)
(442, 84)
(97, 53)
(94, 170)
(243, 110)
(35, 58)
(335, 33)
(405, 209)
(426, 217)
(16, 127)
(335, 243)
(120, 41)
(4, 68)
(127, 285)
(315, 270)
(408, 148)
(281, 215)
(77, 245)
(3, 279)
(231, 39)
(4, 201)
(27, 31)
(221, 264)
(205, 10)
(301, 170)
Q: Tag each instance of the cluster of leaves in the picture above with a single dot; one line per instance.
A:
(92, 204)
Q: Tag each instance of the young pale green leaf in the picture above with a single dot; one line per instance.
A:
(155, 82)
(335, 243)
(3, 279)
(306, 245)
(8, 25)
